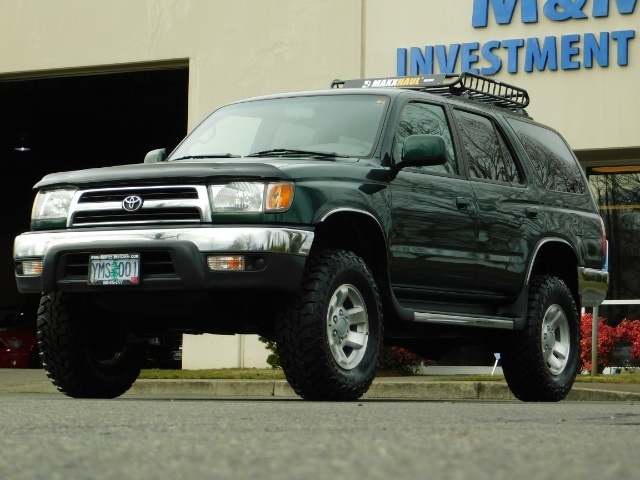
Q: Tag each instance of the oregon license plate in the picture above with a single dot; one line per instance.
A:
(114, 269)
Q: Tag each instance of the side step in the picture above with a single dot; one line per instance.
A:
(463, 320)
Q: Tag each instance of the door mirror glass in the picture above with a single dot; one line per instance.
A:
(423, 150)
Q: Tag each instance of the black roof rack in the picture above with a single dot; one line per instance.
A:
(465, 85)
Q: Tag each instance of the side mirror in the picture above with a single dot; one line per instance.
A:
(155, 156)
(423, 150)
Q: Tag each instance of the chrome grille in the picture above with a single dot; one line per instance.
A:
(164, 204)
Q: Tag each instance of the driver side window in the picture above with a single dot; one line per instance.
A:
(426, 119)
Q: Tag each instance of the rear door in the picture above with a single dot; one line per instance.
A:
(508, 213)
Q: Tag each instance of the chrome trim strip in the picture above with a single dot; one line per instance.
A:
(222, 239)
(593, 285)
(488, 322)
(352, 210)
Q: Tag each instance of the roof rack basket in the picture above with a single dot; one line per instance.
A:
(488, 90)
(465, 85)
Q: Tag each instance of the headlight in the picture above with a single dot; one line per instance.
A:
(51, 208)
(251, 197)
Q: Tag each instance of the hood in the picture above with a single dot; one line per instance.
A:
(187, 171)
(192, 171)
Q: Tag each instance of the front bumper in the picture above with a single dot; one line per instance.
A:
(276, 257)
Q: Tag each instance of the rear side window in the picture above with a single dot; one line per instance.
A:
(487, 153)
(551, 157)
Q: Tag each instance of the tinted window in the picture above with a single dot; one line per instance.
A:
(486, 150)
(426, 119)
(551, 157)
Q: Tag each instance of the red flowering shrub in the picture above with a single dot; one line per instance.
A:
(629, 331)
(608, 337)
(398, 358)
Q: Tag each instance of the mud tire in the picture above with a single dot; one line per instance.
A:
(541, 362)
(329, 336)
(85, 356)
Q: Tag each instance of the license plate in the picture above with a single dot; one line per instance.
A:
(114, 269)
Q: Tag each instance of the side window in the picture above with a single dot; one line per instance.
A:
(551, 157)
(486, 150)
(426, 119)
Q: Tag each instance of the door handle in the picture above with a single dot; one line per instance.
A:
(531, 212)
(463, 203)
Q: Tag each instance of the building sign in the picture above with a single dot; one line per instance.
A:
(565, 52)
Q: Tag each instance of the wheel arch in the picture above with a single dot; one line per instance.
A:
(360, 232)
(556, 257)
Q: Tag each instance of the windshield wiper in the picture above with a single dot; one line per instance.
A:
(215, 155)
(276, 152)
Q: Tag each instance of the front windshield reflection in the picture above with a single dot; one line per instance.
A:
(345, 125)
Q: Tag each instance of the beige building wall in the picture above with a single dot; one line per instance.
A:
(241, 48)
(223, 351)
(252, 47)
(593, 108)
(234, 49)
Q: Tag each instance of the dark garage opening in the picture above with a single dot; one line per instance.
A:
(72, 122)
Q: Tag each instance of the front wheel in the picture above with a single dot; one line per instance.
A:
(541, 362)
(86, 354)
(329, 336)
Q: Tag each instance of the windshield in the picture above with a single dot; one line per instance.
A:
(323, 125)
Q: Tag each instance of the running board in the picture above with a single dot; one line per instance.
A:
(469, 321)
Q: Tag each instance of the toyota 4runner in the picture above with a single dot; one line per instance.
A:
(424, 212)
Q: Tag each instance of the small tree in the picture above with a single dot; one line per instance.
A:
(273, 359)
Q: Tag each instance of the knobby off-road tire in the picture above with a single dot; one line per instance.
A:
(330, 335)
(83, 354)
(542, 361)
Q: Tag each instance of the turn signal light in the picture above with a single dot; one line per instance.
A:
(215, 262)
(30, 267)
(279, 197)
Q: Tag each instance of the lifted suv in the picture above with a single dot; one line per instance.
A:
(424, 212)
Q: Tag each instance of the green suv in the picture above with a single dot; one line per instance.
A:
(424, 212)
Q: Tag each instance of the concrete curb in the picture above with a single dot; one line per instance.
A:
(387, 389)
(411, 388)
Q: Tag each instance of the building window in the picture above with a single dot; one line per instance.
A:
(617, 191)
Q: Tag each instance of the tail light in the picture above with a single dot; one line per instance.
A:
(605, 245)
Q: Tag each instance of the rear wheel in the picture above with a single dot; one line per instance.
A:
(329, 336)
(85, 354)
(542, 361)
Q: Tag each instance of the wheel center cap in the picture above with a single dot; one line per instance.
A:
(342, 326)
(549, 340)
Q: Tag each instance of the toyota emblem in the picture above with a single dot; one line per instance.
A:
(132, 203)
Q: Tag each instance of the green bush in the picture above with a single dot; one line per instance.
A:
(273, 359)
(393, 358)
